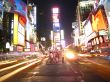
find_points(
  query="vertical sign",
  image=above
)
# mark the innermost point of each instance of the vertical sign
(15, 38)
(56, 27)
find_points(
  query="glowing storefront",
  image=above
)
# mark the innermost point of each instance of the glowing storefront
(14, 22)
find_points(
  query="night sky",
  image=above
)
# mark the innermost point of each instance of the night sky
(67, 16)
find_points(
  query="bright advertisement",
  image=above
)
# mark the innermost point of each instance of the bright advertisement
(15, 34)
(56, 25)
(57, 37)
(20, 6)
(28, 30)
(88, 29)
(14, 6)
(19, 32)
(55, 17)
(98, 21)
(62, 34)
(1, 4)
(21, 35)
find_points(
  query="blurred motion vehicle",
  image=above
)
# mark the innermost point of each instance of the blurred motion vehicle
(70, 55)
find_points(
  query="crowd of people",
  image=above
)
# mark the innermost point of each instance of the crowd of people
(55, 56)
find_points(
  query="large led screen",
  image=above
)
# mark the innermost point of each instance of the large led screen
(98, 21)
(14, 6)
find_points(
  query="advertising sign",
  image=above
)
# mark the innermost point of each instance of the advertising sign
(21, 35)
(15, 34)
(88, 28)
(55, 10)
(55, 18)
(21, 39)
(13, 6)
(1, 5)
(98, 21)
(28, 30)
(20, 6)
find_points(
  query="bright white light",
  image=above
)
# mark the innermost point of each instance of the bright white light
(81, 54)
(70, 55)
(85, 3)
(35, 15)
(88, 28)
(57, 24)
(7, 45)
(55, 10)
(63, 43)
(62, 34)
(43, 39)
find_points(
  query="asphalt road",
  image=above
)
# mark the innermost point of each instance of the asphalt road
(66, 72)
(89, 74)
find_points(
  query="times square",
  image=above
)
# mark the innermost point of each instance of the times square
(34, 46)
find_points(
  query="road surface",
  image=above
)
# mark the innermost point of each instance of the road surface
(66, 72)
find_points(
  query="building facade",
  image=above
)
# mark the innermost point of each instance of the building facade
(17, 26)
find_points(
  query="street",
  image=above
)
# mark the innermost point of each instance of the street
(66, 72)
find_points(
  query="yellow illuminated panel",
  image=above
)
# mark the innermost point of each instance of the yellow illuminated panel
(94, 23)
(101, 23)
(98, 22)
(15, 35)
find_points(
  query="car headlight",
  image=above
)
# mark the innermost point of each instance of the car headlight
(70, 55)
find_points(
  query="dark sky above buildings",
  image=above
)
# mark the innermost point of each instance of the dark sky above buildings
(67, 16)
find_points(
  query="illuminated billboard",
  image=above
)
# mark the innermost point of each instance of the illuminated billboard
(88, 28)
(62, 34)
(57, 24)
(55, 10)
(14, 6)
(98, 21)
(21, 35)
(57, 36)
(19, 31)
(15, 34)
(28, 30)
(55, 18)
